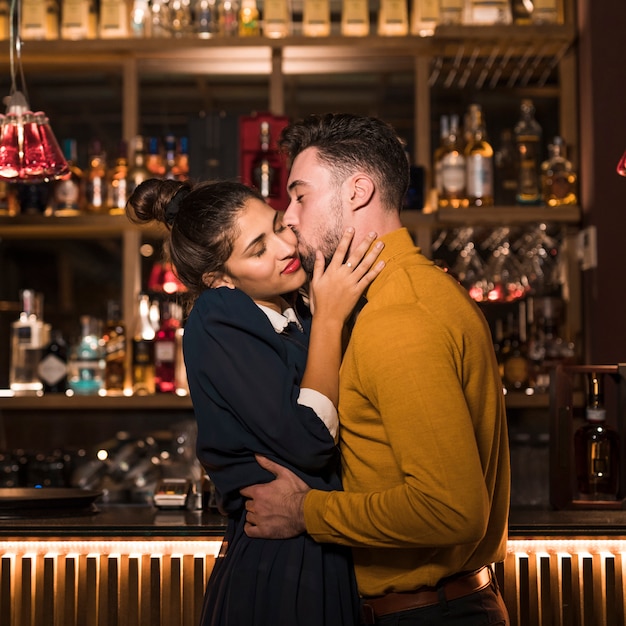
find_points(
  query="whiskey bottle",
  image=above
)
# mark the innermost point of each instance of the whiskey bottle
(249, 24)
(505, 165)
(40, 20)
(479, 160)
(355, 18)
(137, 172)
(75, 19)
(115, 340)
(143, 350)
(165, 348)
(393, 18)
(117, 183)
(596, 448)
(29, 335)
(453, 169)
(451, 11)
(113, 19)
(316, 18)
(96, 179)
(424, 17)
(68, 193)
(528, 141)
(263, 172)
(516, 367)
(558, 179)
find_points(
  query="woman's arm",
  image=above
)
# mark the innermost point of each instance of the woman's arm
(335, 292)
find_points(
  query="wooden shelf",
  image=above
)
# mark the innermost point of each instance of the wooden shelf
(160, 402)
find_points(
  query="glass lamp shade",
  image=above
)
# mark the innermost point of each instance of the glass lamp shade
(29, 150)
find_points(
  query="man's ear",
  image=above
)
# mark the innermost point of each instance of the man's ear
(217, 279)
(361, 188)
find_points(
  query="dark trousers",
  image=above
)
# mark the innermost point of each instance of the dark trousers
(481, 608)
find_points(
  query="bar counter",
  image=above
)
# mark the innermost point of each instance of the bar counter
(135, 565)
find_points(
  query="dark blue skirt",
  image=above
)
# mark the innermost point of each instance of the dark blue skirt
(280, 582)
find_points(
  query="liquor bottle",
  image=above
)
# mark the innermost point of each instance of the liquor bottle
(68, 192)
(92, 20)
(52, 368)
(113, 19)
(228, 12)
(117, 183)
(547, 12)
(521, 12)
(479, 160)
(40, 20)
(444, 133)
(182, 159)
(115, 341)
(249, 24)
(596, 448)
(276, 18)
(505, 165)
(165, 348)
(5, 11)
(96, 179)
(180, 17)
(486, 12)
(207, 23)
(355, 18)
(558, 179)
(75, 19)
(8, 200)
(140, 19)
(316, 18)
(87, 359)
(159, 18)
(451, 11)
(29, 335)
(33, 198)
(143, 350)
(528, 141)
(170, 158)
(393, 18)
(424, 17)
(154, 159)
(137, 172)
(516, 367)
(263, 173)
(453, 169)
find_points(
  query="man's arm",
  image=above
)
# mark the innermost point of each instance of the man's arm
(275, 510)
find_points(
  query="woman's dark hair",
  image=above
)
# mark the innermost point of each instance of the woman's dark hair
(200, 219)
(350, 142)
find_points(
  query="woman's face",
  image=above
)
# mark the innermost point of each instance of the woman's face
(264, 262)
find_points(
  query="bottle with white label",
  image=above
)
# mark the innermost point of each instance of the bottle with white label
(78, 19)
(479, 160)
(29, 335)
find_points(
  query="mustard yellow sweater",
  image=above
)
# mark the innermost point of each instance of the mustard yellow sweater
(423, 433)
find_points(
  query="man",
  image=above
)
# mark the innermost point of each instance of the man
(423, 425)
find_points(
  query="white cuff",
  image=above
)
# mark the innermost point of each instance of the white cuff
(323, 407)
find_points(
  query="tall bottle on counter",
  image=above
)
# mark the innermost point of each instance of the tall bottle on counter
(29, 336)
(52, 368)
(87, 358)
(115, 341)
(165, 348)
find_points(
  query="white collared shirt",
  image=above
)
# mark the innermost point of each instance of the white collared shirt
(315, 400)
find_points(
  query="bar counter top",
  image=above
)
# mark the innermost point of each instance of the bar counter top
(139, 520)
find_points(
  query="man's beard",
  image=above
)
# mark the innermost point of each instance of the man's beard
(328, 239)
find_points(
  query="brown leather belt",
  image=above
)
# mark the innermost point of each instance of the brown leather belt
(455, 588)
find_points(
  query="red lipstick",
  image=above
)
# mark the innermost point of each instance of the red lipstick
(293, 266)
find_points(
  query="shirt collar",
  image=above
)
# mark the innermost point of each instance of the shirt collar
(280, 320)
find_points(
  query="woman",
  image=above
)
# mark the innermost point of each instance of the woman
(261, 384)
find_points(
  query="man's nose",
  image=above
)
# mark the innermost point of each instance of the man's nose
(290, 216)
